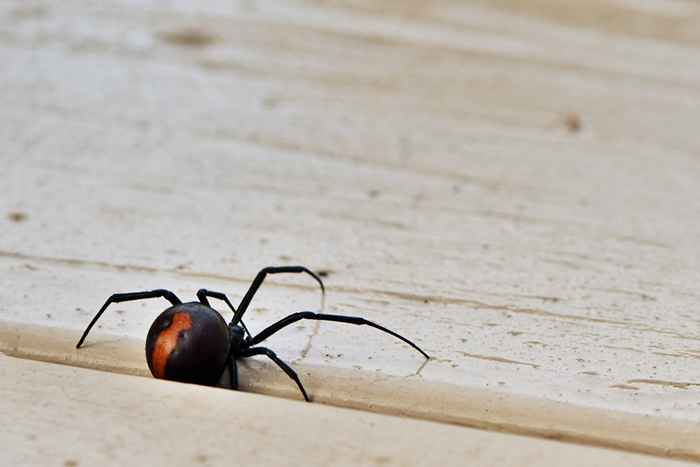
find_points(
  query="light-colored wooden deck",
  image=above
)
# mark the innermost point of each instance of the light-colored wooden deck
(81, 420)
(513, 186)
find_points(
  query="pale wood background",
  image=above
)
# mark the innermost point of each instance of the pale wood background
(514, 186)
(81, 421)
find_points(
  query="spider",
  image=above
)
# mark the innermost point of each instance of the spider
(191, 342)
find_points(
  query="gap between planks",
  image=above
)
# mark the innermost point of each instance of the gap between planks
(405, 396)
(127, 417)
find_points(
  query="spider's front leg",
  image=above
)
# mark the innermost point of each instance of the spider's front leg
(293, 318)
(233, 369)
(286, 368)
(260, 278)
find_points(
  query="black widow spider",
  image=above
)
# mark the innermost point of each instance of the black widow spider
(191, 342)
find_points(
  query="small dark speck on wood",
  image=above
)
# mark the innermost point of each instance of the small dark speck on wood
(17, 216)
(573, 122)
(190, 37)
(324, 272)
(30, 12)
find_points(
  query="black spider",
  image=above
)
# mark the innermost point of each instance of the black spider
(191, 342)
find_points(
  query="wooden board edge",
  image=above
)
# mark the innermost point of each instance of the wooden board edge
(376, 392)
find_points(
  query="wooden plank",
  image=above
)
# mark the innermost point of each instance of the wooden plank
(71, 417)
(376, 392)
(515, 187)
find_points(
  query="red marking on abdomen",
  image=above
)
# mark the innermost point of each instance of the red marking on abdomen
(166, 342)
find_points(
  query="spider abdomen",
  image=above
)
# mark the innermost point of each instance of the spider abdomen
(188, 342)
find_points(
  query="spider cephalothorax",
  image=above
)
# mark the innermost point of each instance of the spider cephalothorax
(191, 342)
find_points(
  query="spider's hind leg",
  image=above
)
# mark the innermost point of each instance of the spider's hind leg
(202, 295)
(129, 297)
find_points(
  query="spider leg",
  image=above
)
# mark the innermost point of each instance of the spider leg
(293, 318)
(129, 297)
(233, 369)
(202, 295)
(260, 277)
(286, 368)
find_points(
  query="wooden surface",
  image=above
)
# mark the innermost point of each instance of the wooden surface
(513, 186)
(80, 421)
(396, 395)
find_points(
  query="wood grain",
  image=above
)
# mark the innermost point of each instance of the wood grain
(395, 395)
(513, 186)
(123, 419)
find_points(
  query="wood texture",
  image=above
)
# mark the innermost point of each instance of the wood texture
(81, 421)
(403, 396)
(514, 186)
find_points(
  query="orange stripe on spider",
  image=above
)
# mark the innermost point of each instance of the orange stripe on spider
(166, 342)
